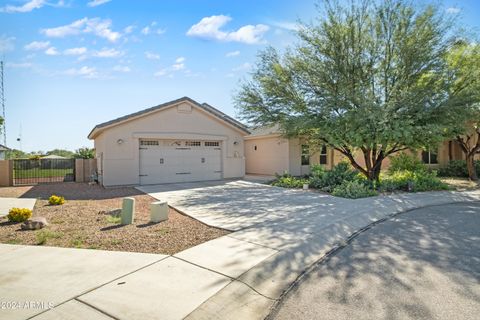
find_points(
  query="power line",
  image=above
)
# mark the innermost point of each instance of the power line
(2, 101)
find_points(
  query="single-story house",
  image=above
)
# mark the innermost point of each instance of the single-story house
(178, 141)
(3, 151)
(268, 152)
(186, 141)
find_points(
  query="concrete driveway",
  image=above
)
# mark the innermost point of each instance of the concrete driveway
(424, 264)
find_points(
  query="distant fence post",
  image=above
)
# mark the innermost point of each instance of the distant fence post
(84, 168)
(6, 173)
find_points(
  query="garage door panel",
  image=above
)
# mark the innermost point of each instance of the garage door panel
(180, 163)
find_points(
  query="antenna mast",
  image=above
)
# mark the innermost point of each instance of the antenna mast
(2, 101)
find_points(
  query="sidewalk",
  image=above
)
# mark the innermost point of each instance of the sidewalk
(238, 276)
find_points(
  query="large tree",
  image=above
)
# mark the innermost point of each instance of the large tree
(368, 77)
(464, 74)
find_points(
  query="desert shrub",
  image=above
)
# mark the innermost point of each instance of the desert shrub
(289, 181)
(330, 179)
(457, 168)
(56, 200)
(19, 214)
(415, 181)
(353, 189)
(405, 162)
(43, 236)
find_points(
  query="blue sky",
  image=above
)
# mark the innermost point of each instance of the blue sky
(73, 64)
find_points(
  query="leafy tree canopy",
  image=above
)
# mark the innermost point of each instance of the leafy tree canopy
(84, 153)
(366, 76)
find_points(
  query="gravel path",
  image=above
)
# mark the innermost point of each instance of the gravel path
(87, 220)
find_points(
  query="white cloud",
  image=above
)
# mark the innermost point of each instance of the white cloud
(108, 53)
(209, 28)
(96, 26)
(86, 72)
(37, 45)
(27, 7)
(95, 3)
(150, 29)
(151, 55)
(232, 54)
(287, 25)
(129, 29)
(75, 51)
(161, 73)
(453, 10)
(6, 43)
(52, 51)
(243, 67)
(121, 69)
(178, 66)
(18, 65)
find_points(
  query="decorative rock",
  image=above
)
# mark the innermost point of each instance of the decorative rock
(34, 223)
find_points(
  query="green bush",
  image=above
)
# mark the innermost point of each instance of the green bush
(353, 189)
(333, 178)
(288, 181)
(406, 180)
(19, 214)
(56, 200)
(317, 170)
(405, 162)
(457, 168)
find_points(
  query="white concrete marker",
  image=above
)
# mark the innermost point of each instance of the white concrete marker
(158, 211)
(128, 210)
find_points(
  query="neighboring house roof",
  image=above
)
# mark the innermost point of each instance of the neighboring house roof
(53, 156)
(3, 148)
(217, 113)
(259, 132)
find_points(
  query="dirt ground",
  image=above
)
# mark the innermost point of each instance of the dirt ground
(461, 184)
(90, 219)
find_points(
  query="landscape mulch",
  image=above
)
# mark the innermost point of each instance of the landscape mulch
(89, 219)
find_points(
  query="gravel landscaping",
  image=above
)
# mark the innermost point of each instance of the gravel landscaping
(89, 219)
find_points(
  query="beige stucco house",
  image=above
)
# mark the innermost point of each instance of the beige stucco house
(178, 141)
(267, 152)
(185, 141)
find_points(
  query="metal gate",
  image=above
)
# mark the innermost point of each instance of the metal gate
(34, 171)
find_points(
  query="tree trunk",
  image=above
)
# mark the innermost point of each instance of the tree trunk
(472, 172)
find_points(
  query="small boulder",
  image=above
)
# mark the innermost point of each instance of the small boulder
(34, 223)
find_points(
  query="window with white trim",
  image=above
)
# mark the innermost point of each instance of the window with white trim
(430, 156)
(212, 144)
(149, 142)
(323, 155)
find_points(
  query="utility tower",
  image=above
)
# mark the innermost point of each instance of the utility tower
(2, 101)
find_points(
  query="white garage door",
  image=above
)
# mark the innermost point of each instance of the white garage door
(168, 161)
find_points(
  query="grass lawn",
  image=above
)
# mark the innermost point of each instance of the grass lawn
(90, 219)
(41, 173)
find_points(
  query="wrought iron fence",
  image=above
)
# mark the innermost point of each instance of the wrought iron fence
(34, 171)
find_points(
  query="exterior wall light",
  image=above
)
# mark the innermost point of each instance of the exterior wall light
(120, 141)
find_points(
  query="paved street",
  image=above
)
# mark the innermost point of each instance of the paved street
(424, 264)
